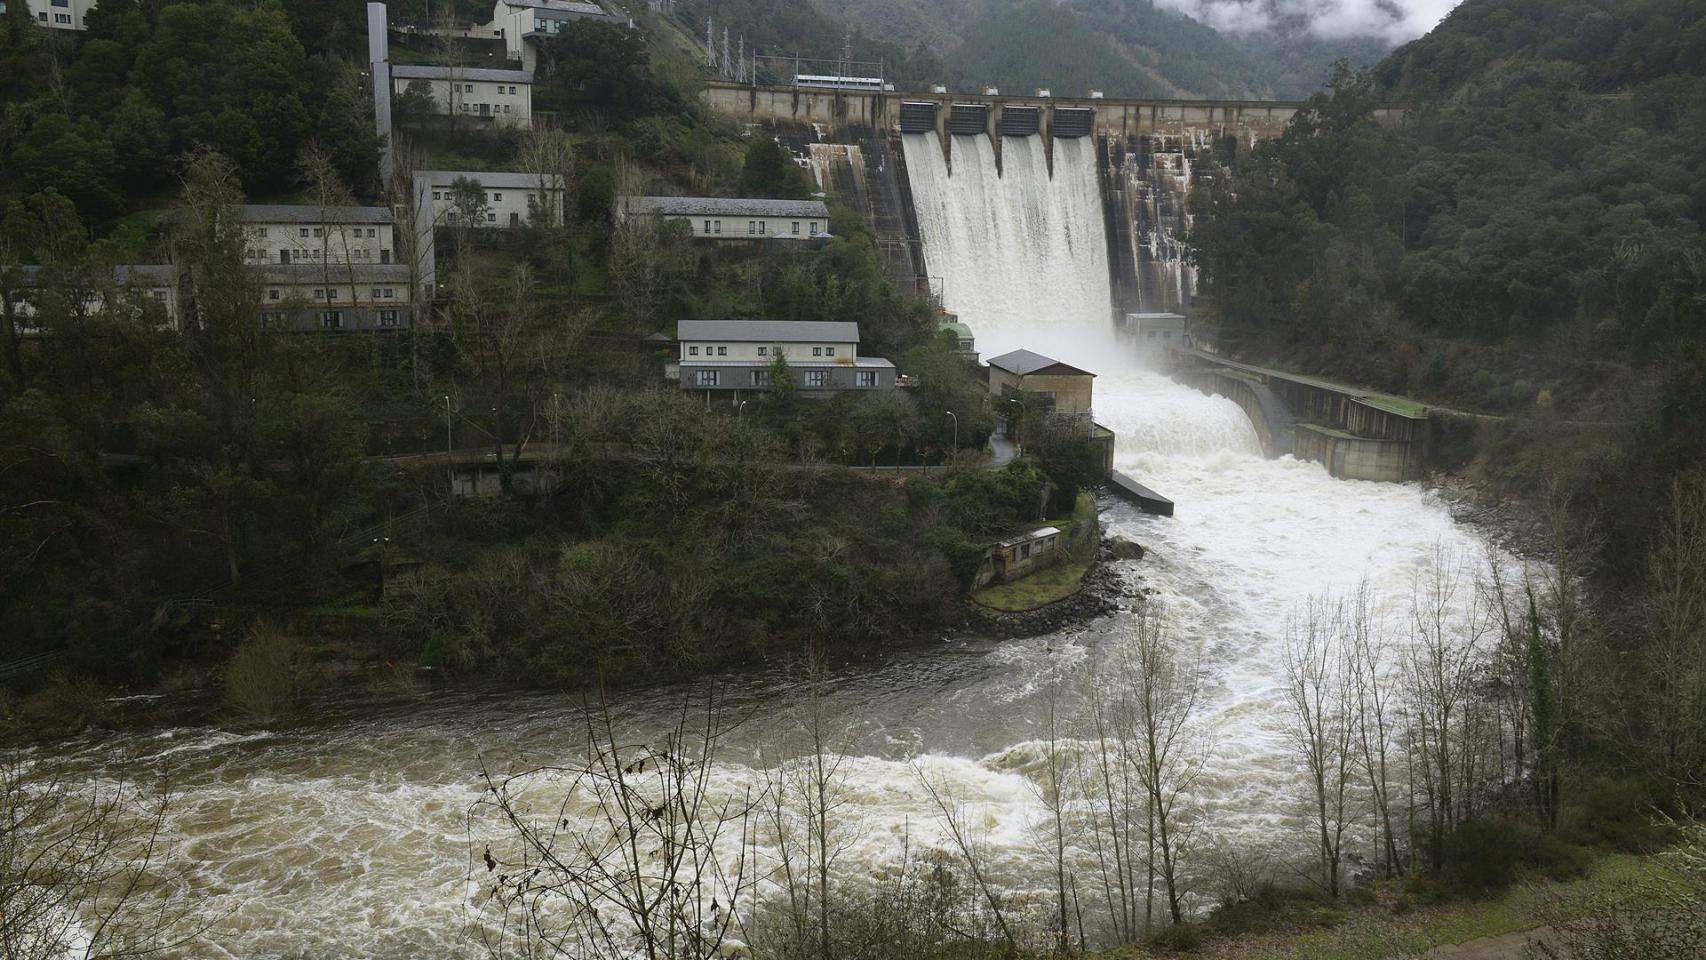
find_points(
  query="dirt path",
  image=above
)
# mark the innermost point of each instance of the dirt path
(1511, 946)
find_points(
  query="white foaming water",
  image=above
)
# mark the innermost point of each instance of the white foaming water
(350, 837)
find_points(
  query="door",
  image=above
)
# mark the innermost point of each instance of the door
(284, 256)
(384, 256)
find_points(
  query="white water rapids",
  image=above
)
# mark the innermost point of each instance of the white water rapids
(347, 836)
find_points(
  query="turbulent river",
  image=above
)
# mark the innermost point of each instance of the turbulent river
(348, 836)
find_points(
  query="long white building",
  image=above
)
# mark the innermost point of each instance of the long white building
(142, 287)
(301, 233)
(498, 97)
(717, 218)
(335, 298)
(58, 14)
(505, 199)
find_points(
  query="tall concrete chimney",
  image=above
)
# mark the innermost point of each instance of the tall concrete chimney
(379, 60)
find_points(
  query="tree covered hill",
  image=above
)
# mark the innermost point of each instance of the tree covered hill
(1124, 47)
(1528, 243)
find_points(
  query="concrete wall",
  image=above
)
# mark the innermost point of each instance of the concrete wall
(1350, 457)
(842, 108)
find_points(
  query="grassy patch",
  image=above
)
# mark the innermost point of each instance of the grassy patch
(1378, 932)
(1037, 590)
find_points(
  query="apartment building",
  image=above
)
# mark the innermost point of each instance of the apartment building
(742, 220)
(727, 357)
(522, 23)
(58, 14)
(140, 287)
(505, 199)
(496, 97)
(336, 298)
(305, 234)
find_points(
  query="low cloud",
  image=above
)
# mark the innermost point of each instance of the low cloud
(1394, 20)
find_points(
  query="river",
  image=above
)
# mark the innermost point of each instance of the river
(348, 835)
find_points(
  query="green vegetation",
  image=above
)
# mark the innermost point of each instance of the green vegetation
(1036, 591)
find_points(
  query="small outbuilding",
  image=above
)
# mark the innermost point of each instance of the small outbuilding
(1018, 556)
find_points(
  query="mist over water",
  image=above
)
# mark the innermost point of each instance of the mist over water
(349, 836)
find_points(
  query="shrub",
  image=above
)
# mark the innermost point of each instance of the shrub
(66, 705)
(268, 674)
(1179, 938)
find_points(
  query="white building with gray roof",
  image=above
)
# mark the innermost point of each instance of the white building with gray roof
(307, 233)
(732, 358)
(505, 199)
(720, 218)
(501, 98)
(522, 23)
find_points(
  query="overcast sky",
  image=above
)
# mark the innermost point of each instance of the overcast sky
(1396, 20)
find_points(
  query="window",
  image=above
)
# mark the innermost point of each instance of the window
(319, 231)
(506, 108)
(722, 351)
(751, 227)
(62, 3)
(829, 351)
(304, 231)
(390, 292)
(373, 233)
(761, 378)
(796, 228)
(719, 226)
(512, 88)
(332, 319)
(272, 294)
(388, 318)
(707, 226)
(693, 351)
(272, 318)
(497, 198)
(706, 378)
(865, 378)
(319, 293)
(261, 233)
(814, 228)
(160, 295)
(375, 295)
(491, 216)
(1024, 551)
(63, 18)
(438, 194)
(761, 226)
(817, 378)
(817, 351)
(763, 351)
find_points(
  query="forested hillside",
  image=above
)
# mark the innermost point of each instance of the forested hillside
(1528, 244)
(1123, 47)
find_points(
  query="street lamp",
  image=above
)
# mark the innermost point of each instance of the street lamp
(381, 542)
(956, 420)
(740, 411)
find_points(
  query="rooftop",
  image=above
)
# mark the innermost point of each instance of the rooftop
(422, 72)
(329, 273)
(157, 274)
(1037, 534)
(489, 178)
(768, 331)
(1024, 363)
(560, 6)
(827, 363)
(310, 213)
(726, 207)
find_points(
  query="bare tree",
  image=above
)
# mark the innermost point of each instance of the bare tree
(625, 853)
(1371, 692)
(1318, 689)
(1448, 629)
(1676, 617)
(957, 821)
(83, 871)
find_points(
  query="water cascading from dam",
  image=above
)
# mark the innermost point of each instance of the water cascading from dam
(1020, 249)
(1156, 175)
(349, 835)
